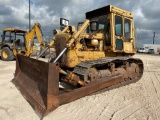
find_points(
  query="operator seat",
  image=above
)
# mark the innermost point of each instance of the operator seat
(17, 44)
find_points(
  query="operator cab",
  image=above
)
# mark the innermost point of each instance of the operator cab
(15, 37)
(117, 28)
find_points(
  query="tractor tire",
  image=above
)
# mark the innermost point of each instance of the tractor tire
(7, 54)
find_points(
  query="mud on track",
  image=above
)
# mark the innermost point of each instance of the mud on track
(137, 101)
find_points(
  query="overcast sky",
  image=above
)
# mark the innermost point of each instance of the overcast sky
(14, 13)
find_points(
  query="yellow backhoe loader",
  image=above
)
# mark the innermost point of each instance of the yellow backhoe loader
(88, 61)
(16, 41)
(12, 43)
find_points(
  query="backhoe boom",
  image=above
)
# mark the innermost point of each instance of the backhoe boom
(30, 36)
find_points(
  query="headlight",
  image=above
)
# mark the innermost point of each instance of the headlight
(94, 42)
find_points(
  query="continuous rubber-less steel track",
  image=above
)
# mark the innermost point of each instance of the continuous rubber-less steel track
(82, 69)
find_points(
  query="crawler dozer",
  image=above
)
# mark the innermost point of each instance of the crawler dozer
(97, 56)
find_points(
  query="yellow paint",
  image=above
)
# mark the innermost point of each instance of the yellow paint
(95, 46)
(5, 54)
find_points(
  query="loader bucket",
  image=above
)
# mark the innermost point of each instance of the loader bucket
(38, 82)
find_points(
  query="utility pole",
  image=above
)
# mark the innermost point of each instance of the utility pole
(29, 16)
(136, 39)
(153, 37)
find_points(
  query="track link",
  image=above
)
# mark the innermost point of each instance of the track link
(82, 69)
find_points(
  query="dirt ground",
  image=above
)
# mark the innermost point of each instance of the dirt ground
(137, 101)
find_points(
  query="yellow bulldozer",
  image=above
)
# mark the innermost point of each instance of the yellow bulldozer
(95, 57)
(16, 41)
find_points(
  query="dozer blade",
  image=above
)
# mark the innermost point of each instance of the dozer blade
(38, 82)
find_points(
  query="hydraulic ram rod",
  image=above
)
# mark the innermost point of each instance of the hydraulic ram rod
(42, 52)
(64, 50)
